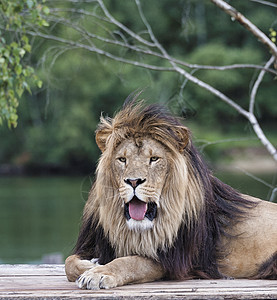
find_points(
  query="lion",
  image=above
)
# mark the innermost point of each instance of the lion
(155, 211)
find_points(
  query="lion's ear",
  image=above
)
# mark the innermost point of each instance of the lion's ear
(102, 133)
(183, 137)
(101, 137)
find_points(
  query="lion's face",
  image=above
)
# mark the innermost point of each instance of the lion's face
(140, 169)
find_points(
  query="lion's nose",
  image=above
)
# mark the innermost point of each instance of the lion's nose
(134, 182)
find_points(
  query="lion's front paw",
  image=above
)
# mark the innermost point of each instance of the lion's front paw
(97, 278)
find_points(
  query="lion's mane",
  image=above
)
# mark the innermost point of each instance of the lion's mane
(194, 213)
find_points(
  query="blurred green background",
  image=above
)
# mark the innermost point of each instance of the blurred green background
(47, 162)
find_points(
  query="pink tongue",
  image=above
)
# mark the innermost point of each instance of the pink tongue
(137, 209)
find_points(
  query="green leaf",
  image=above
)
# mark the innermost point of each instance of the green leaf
(39, 84)
(18, 69)
(22, 52)
(30, 3)
(44, 23)
(27, 47)
(19, 91)
(46, 10)
(25, 39)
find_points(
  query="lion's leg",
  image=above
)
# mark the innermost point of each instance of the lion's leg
(75, 266)
(121, 271)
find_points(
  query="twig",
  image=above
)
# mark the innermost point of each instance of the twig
(247, 24)
(227, 67)
(272, 197)
(265, 3)
(124, 28)
(207, 143)
(257, 84)
(81, 12)
(185, 73)
(144, 50)
(274, 189)
(260, 134)
(98, 51)
(256, 178)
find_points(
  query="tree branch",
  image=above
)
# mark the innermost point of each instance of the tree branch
(187, 75)
(257, 84)
(272, 47)
(260, 134)
(265, 3)
(147, 51)
(98, 51)
(208, 143)
(121, 26)
(81, 12)
(274, 190)
(247, 24)
(248, 115)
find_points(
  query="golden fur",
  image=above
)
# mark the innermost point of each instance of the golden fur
(193, 208)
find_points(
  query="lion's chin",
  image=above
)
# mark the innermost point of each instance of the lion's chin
(142, 225)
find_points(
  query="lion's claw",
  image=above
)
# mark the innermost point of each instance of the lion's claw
(95, 279)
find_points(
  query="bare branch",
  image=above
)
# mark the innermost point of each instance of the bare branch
(98, 51)
(208, 143)
(187, 75)
(226, 67)
(250, 116)
(124, 28)
(272, 47)
(265, 3)
(136, 49)
(257, 84)
(274, 189)
(257, 178)
(273, 194)
(88, 35)
(214, 91)
(81, 12)
(247, 24)
(260, 134)
(147, 51)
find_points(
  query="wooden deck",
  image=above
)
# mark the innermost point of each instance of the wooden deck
(49, 282)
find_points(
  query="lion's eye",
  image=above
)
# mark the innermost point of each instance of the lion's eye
(154, 158)
(122, 159)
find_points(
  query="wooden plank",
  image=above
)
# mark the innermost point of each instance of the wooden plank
(49, 282)
(13, 270)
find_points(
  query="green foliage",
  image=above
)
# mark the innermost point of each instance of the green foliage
(16, 75)
(57, 122)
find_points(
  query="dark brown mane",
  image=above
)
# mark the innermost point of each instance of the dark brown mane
(196, 249)
(92, 242)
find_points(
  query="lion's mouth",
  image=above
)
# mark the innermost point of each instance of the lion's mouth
(138, 210)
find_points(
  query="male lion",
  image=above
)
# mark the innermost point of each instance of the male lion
(155, 211)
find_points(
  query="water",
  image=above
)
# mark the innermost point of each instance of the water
(41, 215)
